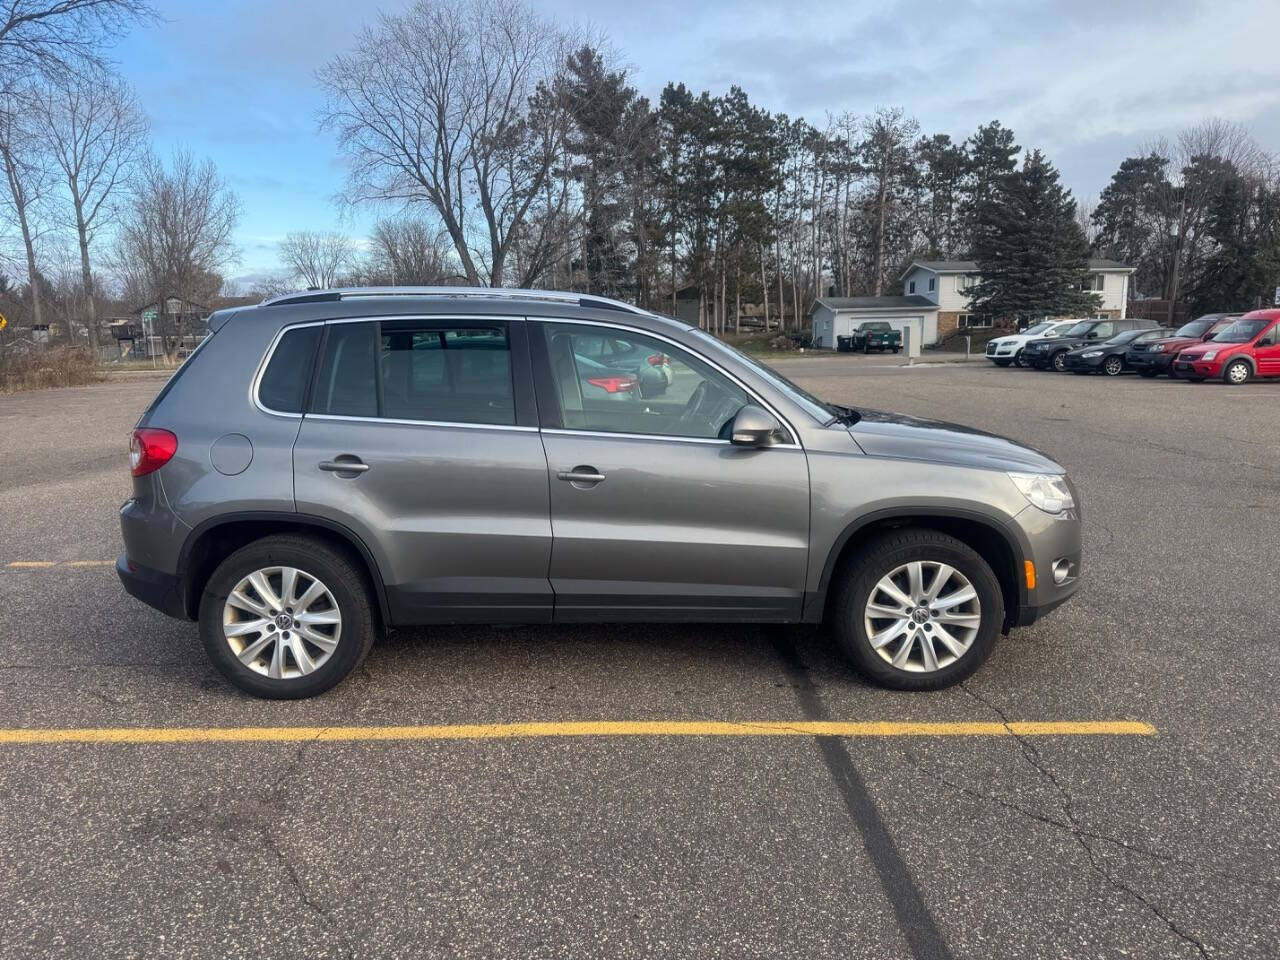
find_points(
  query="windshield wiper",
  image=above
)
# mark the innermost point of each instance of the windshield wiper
(845, 415)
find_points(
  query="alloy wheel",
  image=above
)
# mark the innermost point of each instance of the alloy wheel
(1060, 360)
(922, 616)
(281, 622)
(1113, 366)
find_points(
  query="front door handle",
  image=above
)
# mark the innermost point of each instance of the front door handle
(581, 475)
(341, 465)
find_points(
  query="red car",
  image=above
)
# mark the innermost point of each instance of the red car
(1248, 348)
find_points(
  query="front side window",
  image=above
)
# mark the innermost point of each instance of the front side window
(636, 384)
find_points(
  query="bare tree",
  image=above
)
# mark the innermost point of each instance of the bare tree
(96, 134)
(454, 105)
(40, 35)
(175, 234)
(317, 258)
(27, 178)
(408, 251)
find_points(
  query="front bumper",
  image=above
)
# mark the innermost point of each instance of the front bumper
(1159, 362)
(1197, 368)
(1047, 539)
(152, 587)
(1080, 363)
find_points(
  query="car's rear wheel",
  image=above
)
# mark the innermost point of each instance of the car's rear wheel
(1059, 361)
(286, 617)
(1113, 366)
(917, 610)
(1237, 372)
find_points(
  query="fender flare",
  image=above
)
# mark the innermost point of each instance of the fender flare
(1018, 548)
(350, 537)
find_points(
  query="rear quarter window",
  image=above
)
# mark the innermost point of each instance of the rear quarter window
(283, 385)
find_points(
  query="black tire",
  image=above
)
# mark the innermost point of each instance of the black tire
(1017, 359)
(1148, 374)
(1058, 361)
(1244, 376)
(316, 558)
(896, 349)
(879, 557)
(1113, 366)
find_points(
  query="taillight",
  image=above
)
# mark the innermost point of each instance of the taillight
(659, 360)
(150, 449)
(623, 384)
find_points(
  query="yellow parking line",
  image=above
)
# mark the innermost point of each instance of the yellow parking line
(91, 563)
(590, 728)
(31, 564)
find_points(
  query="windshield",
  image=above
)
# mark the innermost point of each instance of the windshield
(1242, 331)
(1038, 328)
(1196, 328)
(799, 396)
(1081, 328)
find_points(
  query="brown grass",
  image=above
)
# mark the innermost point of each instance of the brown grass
(36, 368)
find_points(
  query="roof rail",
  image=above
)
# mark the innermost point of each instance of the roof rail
(479, 293)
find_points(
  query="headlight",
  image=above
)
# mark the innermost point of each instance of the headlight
(1210, 355)
(1047, 491)
(1156, 348)
(1091, 354)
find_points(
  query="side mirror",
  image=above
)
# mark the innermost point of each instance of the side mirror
(754, 427)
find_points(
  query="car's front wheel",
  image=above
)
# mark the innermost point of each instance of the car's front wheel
(1237, 372)
(917, 610)
(1017, 359)
(1113, 366)
(286, 617)
(1059, 361)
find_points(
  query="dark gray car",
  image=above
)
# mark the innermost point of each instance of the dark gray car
(329, 465)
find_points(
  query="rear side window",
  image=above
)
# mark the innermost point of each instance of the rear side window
(346, 384)
(448, 374)
(284, 383)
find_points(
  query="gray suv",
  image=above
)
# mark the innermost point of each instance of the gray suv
(328, 465)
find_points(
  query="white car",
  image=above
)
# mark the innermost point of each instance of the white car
(1003, 351)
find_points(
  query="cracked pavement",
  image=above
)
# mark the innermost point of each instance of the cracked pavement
(1142, 847)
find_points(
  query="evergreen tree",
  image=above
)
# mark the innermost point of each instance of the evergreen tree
(942, 166)
(993, 156)
(1033, 258)
(1240, 274)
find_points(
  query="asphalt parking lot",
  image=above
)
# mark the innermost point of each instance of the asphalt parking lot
(659, 843)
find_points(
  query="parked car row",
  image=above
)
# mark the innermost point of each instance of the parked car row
(1228, 347)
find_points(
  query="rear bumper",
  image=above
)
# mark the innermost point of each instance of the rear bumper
(155, 589)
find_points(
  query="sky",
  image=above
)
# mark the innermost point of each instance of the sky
(1087, 81)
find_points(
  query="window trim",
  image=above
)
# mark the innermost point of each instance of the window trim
(521, 370)
(538, 356)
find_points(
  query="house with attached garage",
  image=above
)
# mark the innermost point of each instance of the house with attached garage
(935, 301)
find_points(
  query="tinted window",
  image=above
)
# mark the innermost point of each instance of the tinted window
(455, 375)
(346, 384)
(654, 388)
(284, 382)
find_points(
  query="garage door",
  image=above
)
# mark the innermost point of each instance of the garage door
(914, 324)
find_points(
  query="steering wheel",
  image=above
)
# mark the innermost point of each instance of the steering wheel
(694, 402)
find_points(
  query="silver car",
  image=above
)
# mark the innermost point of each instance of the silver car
(329, 465)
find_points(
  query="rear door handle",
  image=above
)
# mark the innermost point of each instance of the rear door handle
(343, 466)
(581, 475)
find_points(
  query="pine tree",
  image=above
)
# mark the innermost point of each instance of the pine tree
(992, 157)
(1240, 272)
(1032, 256)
